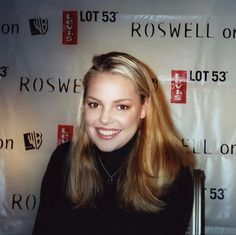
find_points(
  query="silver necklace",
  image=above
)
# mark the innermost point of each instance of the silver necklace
(110, 176)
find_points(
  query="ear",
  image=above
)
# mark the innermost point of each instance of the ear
(145, 107)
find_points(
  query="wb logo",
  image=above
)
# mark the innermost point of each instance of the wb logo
(38, 26)
(33, 140)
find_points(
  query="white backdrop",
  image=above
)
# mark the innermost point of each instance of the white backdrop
(46, 47)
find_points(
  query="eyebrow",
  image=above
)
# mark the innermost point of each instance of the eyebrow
(115, 101)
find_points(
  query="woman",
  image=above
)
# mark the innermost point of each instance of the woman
(126, 172)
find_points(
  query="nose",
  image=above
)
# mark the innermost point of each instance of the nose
(106, 116)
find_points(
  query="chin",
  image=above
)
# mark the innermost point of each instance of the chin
(107, 148)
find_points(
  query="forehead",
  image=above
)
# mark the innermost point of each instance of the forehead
(111, 85)
(112, 80)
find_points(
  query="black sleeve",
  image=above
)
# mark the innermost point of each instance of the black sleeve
(180, 203)
(174, 218)
(52, 194)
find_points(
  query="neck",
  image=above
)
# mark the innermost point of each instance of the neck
(115, 159)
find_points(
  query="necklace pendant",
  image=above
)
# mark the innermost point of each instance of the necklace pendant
(110, 180)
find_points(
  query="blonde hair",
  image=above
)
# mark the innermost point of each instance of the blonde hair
(156, 157)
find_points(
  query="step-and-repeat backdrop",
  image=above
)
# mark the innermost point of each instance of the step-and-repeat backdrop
(45, 48)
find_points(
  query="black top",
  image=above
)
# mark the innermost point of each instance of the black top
(58, 216)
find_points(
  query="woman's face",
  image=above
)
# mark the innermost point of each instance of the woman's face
(113, 110)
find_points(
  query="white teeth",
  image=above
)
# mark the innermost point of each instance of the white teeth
(108, 132)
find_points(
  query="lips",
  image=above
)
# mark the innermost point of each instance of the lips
(107, 134)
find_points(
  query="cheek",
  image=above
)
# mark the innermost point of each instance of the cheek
(130, 120)
(88, 118)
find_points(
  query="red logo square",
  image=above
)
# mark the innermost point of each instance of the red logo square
(70, 27)
(65, 133)
(178, 86)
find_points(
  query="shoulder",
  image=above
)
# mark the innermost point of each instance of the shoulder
(58, 164)
(60, 154)
(62, 149)
(182, 186)
(180, 193)
(184, 178)
(184, 174)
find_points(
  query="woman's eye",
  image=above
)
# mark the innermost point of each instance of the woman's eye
(93, 105)
(122, 107)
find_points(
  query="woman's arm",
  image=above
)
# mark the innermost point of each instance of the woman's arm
(180, 202)
(52, 193)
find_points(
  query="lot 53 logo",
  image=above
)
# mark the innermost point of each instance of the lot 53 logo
(205, 75)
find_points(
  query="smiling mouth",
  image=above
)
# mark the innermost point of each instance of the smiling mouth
(107, 134)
